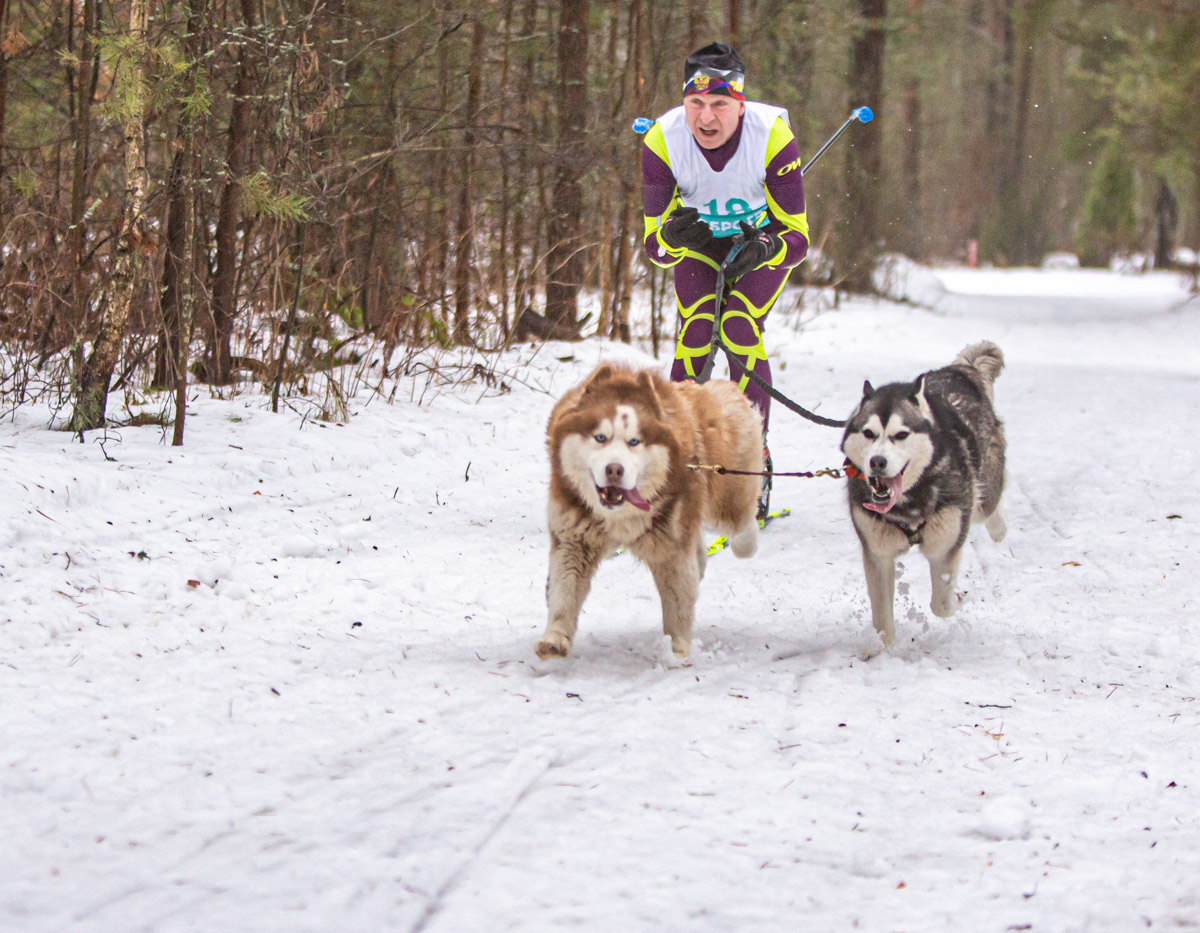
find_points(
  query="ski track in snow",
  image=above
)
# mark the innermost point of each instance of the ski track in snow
(282, 678)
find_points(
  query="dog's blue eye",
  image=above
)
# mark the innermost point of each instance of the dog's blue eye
(634, 441)
(601, 438)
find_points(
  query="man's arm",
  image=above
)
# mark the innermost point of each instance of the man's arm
(660, 196)
(785, 197)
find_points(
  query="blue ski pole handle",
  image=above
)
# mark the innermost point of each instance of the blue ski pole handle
(642, 125)
(861, 114)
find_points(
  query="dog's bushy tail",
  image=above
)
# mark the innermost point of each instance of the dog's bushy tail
(986, 359)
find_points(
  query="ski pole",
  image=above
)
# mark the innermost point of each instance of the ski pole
(710, 358)
(862, 114)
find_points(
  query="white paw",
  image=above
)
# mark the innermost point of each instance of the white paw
(552, 645)
(670, 655)
(997, 527)
(945, 606)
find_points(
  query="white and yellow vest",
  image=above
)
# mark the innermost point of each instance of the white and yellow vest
(739, 191)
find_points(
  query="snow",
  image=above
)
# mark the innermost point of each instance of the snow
(282, 678)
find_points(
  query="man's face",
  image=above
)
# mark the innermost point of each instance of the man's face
(712, 118)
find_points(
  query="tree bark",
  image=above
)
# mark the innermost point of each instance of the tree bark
(224, 291)
(564, 228)
(174, 268)
(465, 226)
(92, 399)
(913, 239)
(3, 91)
(1166, 221)
(522, 275)
(81, 144)
(500, 286)
(863, 161)
(187, 281)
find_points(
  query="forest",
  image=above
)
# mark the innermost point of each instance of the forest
(218, 192)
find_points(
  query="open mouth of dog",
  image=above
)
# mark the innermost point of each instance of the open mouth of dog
(613, 496)
(885, 492)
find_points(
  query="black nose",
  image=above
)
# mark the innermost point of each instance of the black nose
(879, 464)
(613, 473)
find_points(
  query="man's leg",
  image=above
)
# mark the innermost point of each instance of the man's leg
(695, 288)
(746, 309)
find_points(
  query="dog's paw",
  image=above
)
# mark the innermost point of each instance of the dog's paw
(996, 526)
(669, 652)
(552, 645)
(945, 606)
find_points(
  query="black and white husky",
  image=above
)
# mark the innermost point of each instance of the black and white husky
(925, 459)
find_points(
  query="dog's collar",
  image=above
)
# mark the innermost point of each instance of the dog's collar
(851, 471)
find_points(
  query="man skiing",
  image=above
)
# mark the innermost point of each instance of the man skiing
(716, 166)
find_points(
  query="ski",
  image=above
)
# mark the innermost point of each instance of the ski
(719, 544)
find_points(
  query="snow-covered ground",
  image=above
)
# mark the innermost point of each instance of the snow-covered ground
(281, 679)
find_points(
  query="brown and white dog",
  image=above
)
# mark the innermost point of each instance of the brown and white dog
(620, 444)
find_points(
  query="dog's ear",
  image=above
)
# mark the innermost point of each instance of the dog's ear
(645, 381)
(917, 392)
(868, 389)
(600, 374)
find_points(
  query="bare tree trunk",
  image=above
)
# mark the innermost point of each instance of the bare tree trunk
(465, 231)
(1015, 240)
(174, 268)
(609, 201)
(629, 190)
(624, 289)
(564, 228)
(1166, 222)
(81, 139)
(224, 291)
(3, 91)
(187, 280)
(863, 161)
(604, 260)
(437, 235)
(911, 169)
(92, 400)
(501, 271)
(186, 302)
(697, 23)
(522, 276)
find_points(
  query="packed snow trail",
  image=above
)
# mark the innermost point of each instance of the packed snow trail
(282, 678)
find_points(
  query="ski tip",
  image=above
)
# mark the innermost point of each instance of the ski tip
(863, 114)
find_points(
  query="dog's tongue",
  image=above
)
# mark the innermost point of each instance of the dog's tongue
(893, 487)
(634, 498)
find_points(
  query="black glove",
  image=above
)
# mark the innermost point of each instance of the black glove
(685, 230)
(760, 246)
